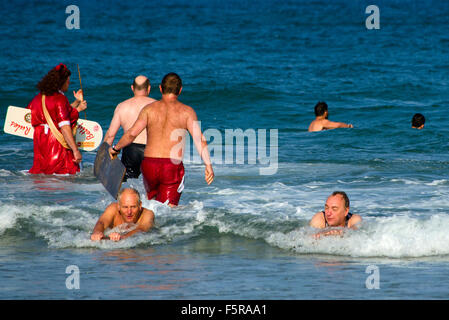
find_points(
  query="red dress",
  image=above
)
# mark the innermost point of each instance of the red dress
(49, 155)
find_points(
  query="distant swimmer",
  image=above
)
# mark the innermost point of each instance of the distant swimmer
(336, 214)
(418, 121)
(167, 122)
(125, 214)
(54, 120)
(125, 115)
(321, 123)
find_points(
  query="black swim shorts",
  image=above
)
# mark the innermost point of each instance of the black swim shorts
(132, 158)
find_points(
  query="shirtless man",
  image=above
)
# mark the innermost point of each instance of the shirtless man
(321, 122)
(166, 122)
(336, 214)
(125, 115)
(127, 213)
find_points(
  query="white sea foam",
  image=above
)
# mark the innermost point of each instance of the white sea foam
(406, 181)
(398, 222)
(395, 237)
(8, 217)
(5, 173)
(437, 182)
(282, 225)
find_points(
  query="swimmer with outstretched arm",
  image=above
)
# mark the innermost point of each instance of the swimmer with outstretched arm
(321, 121)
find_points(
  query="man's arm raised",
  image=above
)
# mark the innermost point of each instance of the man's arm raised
(201, 145)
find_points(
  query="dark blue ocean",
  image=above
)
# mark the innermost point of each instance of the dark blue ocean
(258, 67)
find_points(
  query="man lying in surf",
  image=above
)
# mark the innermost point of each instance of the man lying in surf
(336, 214)
(126, 214)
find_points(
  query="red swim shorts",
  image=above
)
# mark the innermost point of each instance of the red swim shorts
(163, 179)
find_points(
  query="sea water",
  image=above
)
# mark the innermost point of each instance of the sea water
(258, 66)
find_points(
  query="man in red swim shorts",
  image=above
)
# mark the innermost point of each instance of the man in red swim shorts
(163, 179)
(167, 122)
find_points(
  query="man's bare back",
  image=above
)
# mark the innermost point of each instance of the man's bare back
(316, 125)
(167, 122)
(128, 112)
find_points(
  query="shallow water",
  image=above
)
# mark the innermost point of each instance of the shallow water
(253, 66)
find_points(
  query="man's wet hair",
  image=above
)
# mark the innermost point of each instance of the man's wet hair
(119, 195)
(344, 195)
(418, 120)
(320, 108)
(143, 86)
(171, 83)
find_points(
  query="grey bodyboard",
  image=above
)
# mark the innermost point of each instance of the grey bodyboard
(109, 172)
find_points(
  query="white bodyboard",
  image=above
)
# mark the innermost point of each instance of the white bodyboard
(89, 134)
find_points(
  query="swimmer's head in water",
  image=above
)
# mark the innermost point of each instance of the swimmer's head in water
(336, 208)
(418, 121)
(320, 108)
(129, 204)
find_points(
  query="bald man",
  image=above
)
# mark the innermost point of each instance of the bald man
(125, 115)
(126, 217)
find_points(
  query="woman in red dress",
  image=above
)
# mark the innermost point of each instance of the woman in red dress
(50, 156)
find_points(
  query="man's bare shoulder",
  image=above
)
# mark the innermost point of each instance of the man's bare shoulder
(355, 219)
(123, 108)
(188, 109)
(317, 220)
(185, 110)
(316, 125)
(152, 106)
(150, 102)
(180, 107)
(145, 101)
(148, 212)
(112, 209)
(109, 214)
(124, 104)
(329, 124)
(146, 220)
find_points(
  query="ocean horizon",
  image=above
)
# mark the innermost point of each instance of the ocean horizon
(253, 71)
